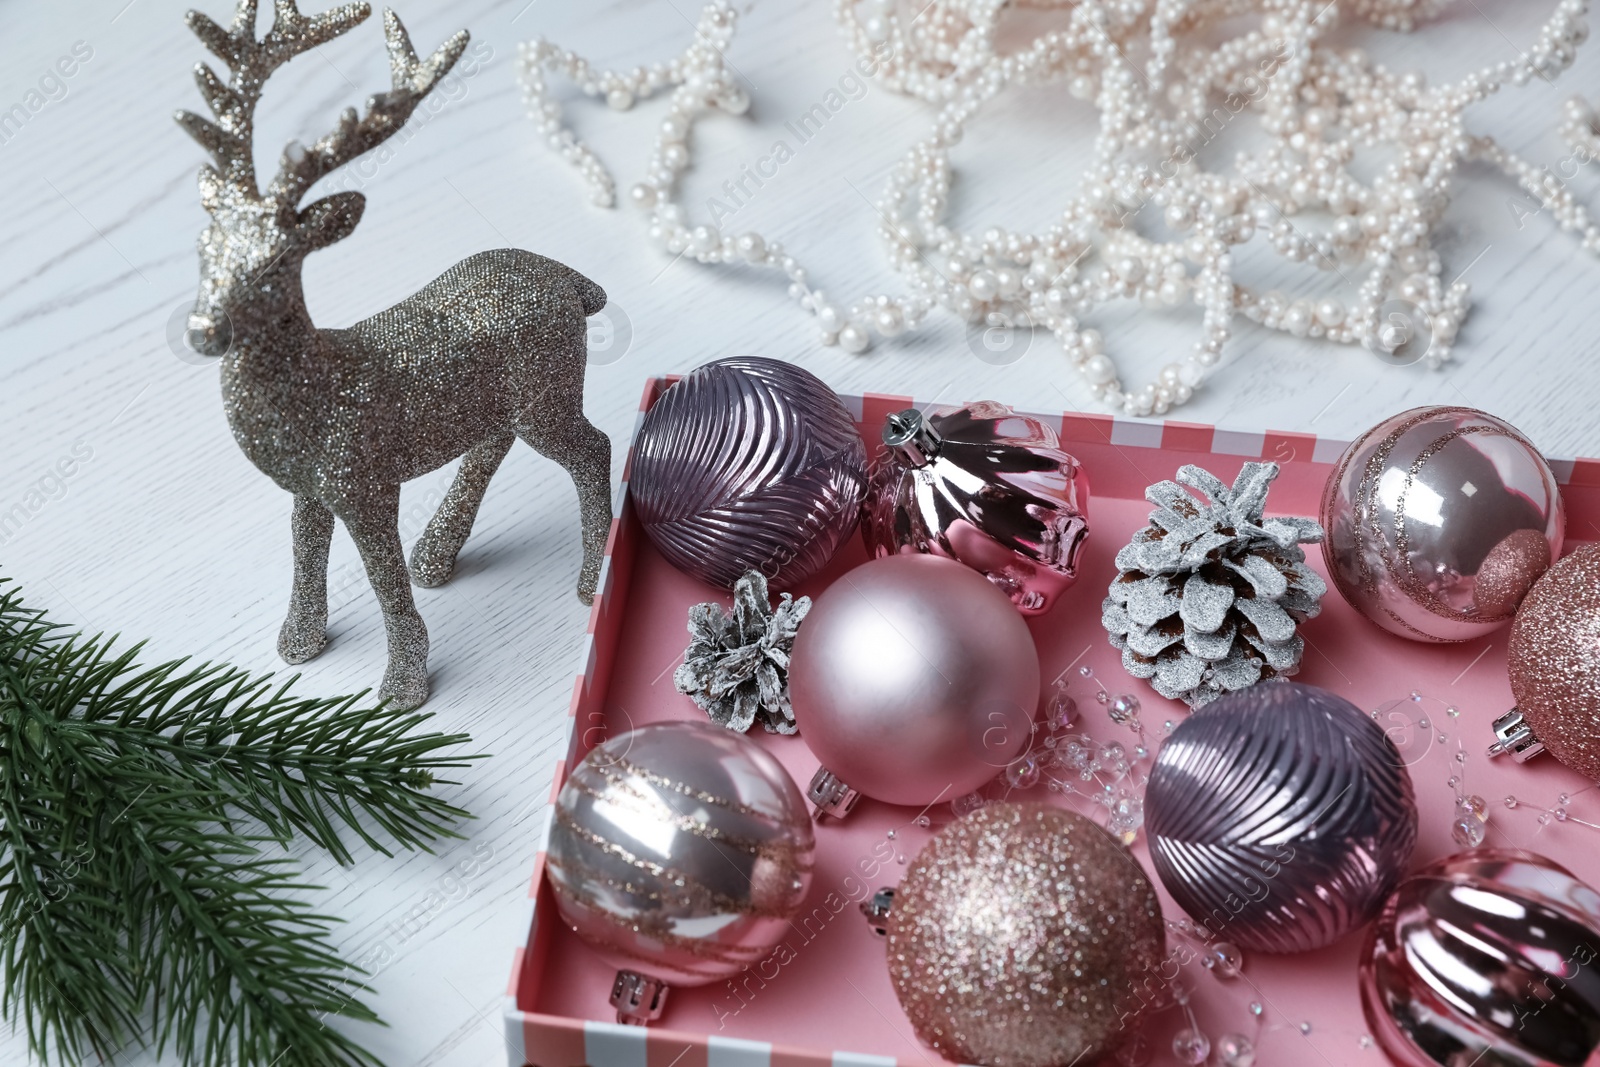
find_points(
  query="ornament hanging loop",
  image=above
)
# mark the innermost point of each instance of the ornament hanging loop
(911, 437)
(876, 909)
(1513, 735)
(830, 795)
(639, 999)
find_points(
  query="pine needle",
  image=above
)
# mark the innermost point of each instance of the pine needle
(144, 895)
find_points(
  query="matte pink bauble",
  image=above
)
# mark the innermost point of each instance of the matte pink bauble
(913, 680)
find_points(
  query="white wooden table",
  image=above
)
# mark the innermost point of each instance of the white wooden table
(163, 530)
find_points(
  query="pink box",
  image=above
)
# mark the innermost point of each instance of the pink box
(830, 992)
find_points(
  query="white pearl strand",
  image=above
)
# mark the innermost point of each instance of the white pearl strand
(1580, 128)
(1318, 105)
(702, 81)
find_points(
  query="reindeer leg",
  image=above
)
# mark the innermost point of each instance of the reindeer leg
(572, 440)
(374, 524)
(305, 632)
(433, 557)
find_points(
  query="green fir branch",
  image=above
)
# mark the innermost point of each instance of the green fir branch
(143, 894)
(244, 965)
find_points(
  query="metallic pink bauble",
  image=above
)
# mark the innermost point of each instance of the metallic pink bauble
(680, 852)
(984, 486)
(748, 464)
(1025, 935)
(1486, 957)
(1280, 817)
(913, 680)
(1439, 521)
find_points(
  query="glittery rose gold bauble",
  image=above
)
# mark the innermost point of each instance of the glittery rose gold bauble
(1020, 936)
(1439, 520)
(680, 852)
(1554, 661)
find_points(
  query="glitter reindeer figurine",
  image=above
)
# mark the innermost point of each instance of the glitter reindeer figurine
(492, 350)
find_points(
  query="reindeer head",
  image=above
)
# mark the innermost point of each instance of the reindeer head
(250, 255)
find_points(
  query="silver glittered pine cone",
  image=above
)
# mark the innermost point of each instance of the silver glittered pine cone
(737, 664)
(1208, 597)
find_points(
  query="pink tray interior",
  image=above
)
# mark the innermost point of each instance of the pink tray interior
(834, 994)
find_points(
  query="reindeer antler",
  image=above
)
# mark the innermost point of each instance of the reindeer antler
(386, 114)
(251, 61)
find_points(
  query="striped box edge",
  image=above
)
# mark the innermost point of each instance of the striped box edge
(599, 1040)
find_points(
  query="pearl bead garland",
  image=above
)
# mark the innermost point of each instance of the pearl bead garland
(1317, 104)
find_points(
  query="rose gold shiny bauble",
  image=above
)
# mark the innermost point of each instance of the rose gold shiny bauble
(679, 852)
(1486, 957)
(984, 486)
(1020, 937)
(1439, 521)
(913, 680)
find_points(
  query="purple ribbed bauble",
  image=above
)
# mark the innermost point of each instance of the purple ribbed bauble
(1280, 817)
(748, 464)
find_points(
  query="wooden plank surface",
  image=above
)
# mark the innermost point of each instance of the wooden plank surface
(163, 530)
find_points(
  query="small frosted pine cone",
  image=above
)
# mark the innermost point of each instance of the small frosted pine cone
(737, 664)
(1209, 596)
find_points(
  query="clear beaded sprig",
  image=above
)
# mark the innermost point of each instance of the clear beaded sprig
(1413, 723)
(1111, 775)
(1561, 813)
(1191, 1044)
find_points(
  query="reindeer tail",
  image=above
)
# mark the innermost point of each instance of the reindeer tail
(590, 295)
